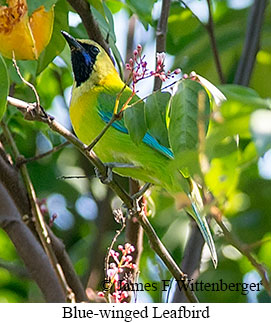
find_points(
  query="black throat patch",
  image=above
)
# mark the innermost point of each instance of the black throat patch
(83, 62)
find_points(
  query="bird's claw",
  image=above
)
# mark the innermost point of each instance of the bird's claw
(105, 179)
(137, 207)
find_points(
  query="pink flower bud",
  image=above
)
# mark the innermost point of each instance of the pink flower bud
(135, 53)
(124, 294)
(160, 58)
(162, 77)
(124, 282)
(177, 71)
(139, 48)
(129, 258)
(112, 265)
(101, 294)
(127, 245)
(120, 247)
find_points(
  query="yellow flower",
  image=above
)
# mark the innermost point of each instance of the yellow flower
(26, 36)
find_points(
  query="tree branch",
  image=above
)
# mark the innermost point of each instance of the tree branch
(39, 220)
(130, 44)
(252, 43)
(68, 269)
(105, 222)
(161, 33)
(134, 236)
(82, 7)
(29, 249)
(10, 179)
(191, 260)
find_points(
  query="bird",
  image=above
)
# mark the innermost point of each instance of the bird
(95, 88)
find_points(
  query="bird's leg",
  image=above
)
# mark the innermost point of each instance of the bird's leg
(142, 191)
(109, 173)
(105, 179)
(120, 165)
(137, 199)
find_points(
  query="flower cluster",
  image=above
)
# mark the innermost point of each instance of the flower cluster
(138, 67)
(117, 267)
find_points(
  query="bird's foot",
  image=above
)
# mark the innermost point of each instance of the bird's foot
(142, 191)
(137, 200)
(107, 178)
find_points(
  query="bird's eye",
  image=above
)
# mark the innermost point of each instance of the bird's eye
(95, 50)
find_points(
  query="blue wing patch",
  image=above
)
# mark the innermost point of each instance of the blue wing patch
(147, 139)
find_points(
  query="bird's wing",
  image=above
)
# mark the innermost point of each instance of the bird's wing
(105, 106)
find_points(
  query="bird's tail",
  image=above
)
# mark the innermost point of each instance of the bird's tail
(199, 217)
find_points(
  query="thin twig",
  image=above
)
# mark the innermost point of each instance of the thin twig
(82, 7)
(28, 84)
(100, 135)
(161, 33)
(75, 176)
(40, 156)
(158, 90)
(211, 33)
(122, 220)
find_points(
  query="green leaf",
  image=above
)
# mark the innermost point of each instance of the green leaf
(107, 28)
(223, 176)
(115, 5)
(98, 5)
(4, 87)
(106, 24)
(35, 4)
(57, 42)
(143, 9)
(183, 125)
(135, 122)
(247, 97)
(156, 108)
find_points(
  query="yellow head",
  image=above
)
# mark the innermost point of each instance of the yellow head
(90, 63)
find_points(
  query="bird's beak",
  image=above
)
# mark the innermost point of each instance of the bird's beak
(73, 43)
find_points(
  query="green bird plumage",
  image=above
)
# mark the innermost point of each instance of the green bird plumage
(96, 86)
